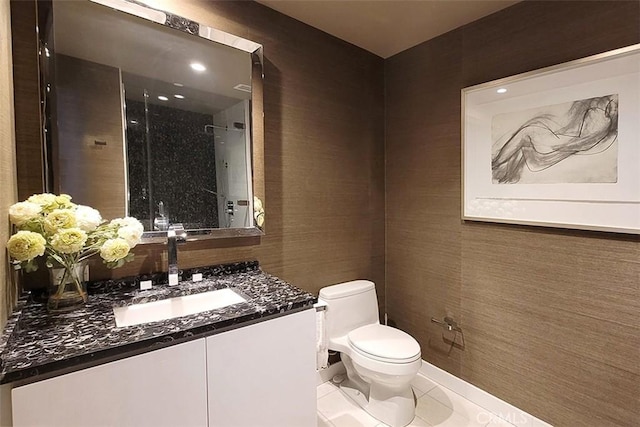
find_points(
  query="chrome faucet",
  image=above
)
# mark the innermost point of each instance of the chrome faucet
(176, 234)
(161, 222)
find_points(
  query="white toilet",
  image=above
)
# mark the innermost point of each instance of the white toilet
(381, 361)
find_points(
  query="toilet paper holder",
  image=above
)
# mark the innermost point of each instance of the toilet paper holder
(450, 325)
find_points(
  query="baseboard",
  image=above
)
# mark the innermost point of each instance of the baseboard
(496, 406)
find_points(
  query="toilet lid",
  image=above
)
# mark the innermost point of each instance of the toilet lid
(385, 343)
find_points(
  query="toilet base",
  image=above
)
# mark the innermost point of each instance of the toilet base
(393, 405)
(355, 393)
(394, 411)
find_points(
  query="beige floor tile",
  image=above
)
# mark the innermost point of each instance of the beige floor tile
(323, 421)
(422, 385)
(326, 388)
(460, 405)
(437, 414)
(343, 412)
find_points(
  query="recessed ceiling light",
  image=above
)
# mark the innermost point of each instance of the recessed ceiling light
(243, 87)
(178, 84)
(163, 98)
(502, 90)
(133, 122)
(178, 96)
(196, 66)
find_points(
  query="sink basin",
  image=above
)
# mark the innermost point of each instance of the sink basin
(175, 307)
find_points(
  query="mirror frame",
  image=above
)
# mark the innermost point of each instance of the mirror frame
(256, 145)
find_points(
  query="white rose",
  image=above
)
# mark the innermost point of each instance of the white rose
(128, 222)
(87, 218)
(131, 234)
(22, 212)
(258, 211)
(257, 204)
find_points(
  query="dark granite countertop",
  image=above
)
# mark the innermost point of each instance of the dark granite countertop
(36, 345)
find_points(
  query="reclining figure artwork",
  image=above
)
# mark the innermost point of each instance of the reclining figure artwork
(553, 135)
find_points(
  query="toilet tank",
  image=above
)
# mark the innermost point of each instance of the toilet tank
(349, 306)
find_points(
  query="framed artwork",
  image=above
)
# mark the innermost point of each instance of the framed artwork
(556, 147)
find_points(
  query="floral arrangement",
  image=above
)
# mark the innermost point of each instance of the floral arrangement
(258, 212)
(68, 233)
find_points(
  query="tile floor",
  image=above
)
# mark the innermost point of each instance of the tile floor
(437, 406)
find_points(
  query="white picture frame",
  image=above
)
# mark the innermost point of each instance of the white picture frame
(556, 147)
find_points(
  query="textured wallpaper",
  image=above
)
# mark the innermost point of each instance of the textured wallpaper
(7, 157)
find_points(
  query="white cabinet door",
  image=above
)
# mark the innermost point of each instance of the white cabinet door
(166, 387)
(264, 374)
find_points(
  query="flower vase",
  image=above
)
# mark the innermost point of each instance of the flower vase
(68, 288)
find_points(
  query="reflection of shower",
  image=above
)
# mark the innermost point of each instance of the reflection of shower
(225, 206)
(147, 135)
(237, 126)
(230, 129)
(213, 192)
(170, 151)
(222, 199)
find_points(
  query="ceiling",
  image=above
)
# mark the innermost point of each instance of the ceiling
(387, 27)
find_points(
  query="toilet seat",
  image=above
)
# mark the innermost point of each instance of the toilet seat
(384, 344)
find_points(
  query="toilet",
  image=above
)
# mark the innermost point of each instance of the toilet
(380, 361)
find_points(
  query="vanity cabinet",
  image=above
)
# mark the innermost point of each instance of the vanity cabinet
(262, 375)
(165, 387)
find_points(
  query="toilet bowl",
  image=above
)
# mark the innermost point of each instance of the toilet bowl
(380, 361)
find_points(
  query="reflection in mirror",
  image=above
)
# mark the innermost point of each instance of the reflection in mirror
(147, 120)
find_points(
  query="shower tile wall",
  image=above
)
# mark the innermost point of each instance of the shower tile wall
(181, 171)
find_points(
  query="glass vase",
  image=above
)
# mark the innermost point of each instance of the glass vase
(68, 288)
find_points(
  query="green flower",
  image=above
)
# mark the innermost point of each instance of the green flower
(68, 233)
(26, 245)
(114, 249)
(50, 202)
(68, 240)
(64, 201)
(44, 199)
(59, 219)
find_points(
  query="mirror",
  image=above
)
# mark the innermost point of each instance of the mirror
(151, 115)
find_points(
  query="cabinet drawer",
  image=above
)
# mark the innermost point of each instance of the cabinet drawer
(165, 387)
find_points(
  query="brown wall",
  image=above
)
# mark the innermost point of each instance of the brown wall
(550, 317)
(324, 148)
(27, 108)
(88, 108)
(8, 189)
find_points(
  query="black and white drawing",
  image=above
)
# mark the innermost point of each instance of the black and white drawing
(556, 147)
(573, 142)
